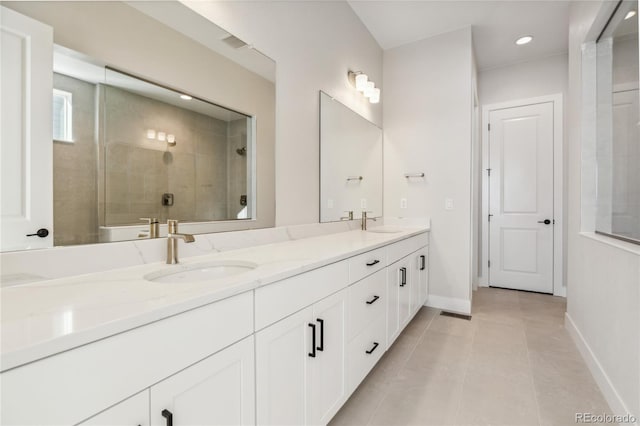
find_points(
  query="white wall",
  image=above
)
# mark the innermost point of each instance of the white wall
(603, 282)
(427, 126)
(314, 44)
(545, 76)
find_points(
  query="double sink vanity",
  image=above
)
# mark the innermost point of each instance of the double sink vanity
(280, 333)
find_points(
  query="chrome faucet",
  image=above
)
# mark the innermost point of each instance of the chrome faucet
(349, 215)
(172, 241)
(363, 224)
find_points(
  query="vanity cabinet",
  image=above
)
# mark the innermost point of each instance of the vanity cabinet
(218, 390)
(300, 363)
(132, 411)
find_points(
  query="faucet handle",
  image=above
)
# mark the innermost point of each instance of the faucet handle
(150, 219)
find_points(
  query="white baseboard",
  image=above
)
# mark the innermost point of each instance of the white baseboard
(612, 396)
(450, 304)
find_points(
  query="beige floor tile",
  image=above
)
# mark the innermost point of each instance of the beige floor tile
(488, 399)
(433, 402)
(452, 326)
(551, 340)
(360, 407)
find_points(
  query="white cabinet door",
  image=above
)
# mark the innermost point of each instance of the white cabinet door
(422, 264)
(132, 411)
(282, 353)
(399, 291)
(26, 145)
(327, 379)
(218, 390)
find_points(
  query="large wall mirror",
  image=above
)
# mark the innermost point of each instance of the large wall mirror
(156, 113)
(618, 132)
(350, 163)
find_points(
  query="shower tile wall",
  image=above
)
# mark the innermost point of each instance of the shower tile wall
(75, 212)
(138, 170)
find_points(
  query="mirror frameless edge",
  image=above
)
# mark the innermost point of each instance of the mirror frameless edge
(73, 189)
(350, 163)
(618, 118)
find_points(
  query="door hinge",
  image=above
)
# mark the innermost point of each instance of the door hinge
(489, 217)
(489, 264)
(489, 172)
(489, 126)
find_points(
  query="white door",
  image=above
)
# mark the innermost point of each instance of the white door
(521, 198)
(283, 351)
(26, 144)
(327, 378)
(219, 390)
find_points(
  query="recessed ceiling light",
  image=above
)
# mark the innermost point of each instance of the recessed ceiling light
(186, 97)
(630, 14)
(524, 40)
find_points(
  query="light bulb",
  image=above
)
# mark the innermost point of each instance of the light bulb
(375, 96)
(630, 14)
(151, 134)
(171, 138)
(368, 91)
(162, 136)
(524, 40)
(186, 97)
(361, 82)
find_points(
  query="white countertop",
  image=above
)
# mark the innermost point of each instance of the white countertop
(47, 317)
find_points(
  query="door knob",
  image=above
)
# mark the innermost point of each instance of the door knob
(546, 221)
(42, 233)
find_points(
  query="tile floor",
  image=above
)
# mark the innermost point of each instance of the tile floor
(512, 364)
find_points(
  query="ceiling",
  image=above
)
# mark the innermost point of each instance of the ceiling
(496, 25)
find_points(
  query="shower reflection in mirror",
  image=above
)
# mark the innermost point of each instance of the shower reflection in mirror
(122, 143)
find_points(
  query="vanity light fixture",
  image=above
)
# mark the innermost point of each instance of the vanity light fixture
(362, 83)
(524, 40)
(630, 14)
(151, 134)
(186, 97)
(171, 139)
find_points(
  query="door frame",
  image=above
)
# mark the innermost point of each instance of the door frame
(559, 289)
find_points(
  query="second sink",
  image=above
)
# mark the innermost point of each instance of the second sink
(200, 272)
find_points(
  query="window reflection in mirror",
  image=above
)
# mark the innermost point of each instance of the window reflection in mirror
(618, 136)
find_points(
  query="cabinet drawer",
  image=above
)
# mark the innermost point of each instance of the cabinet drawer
(403, 248)
(367, 302)
(366, 264)
(363, 353)
(74, 385)
(278, 300)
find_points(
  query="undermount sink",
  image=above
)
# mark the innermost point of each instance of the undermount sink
(200, 272)
(384, 230)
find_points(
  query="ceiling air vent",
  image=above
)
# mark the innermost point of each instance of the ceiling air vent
(234, 42)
